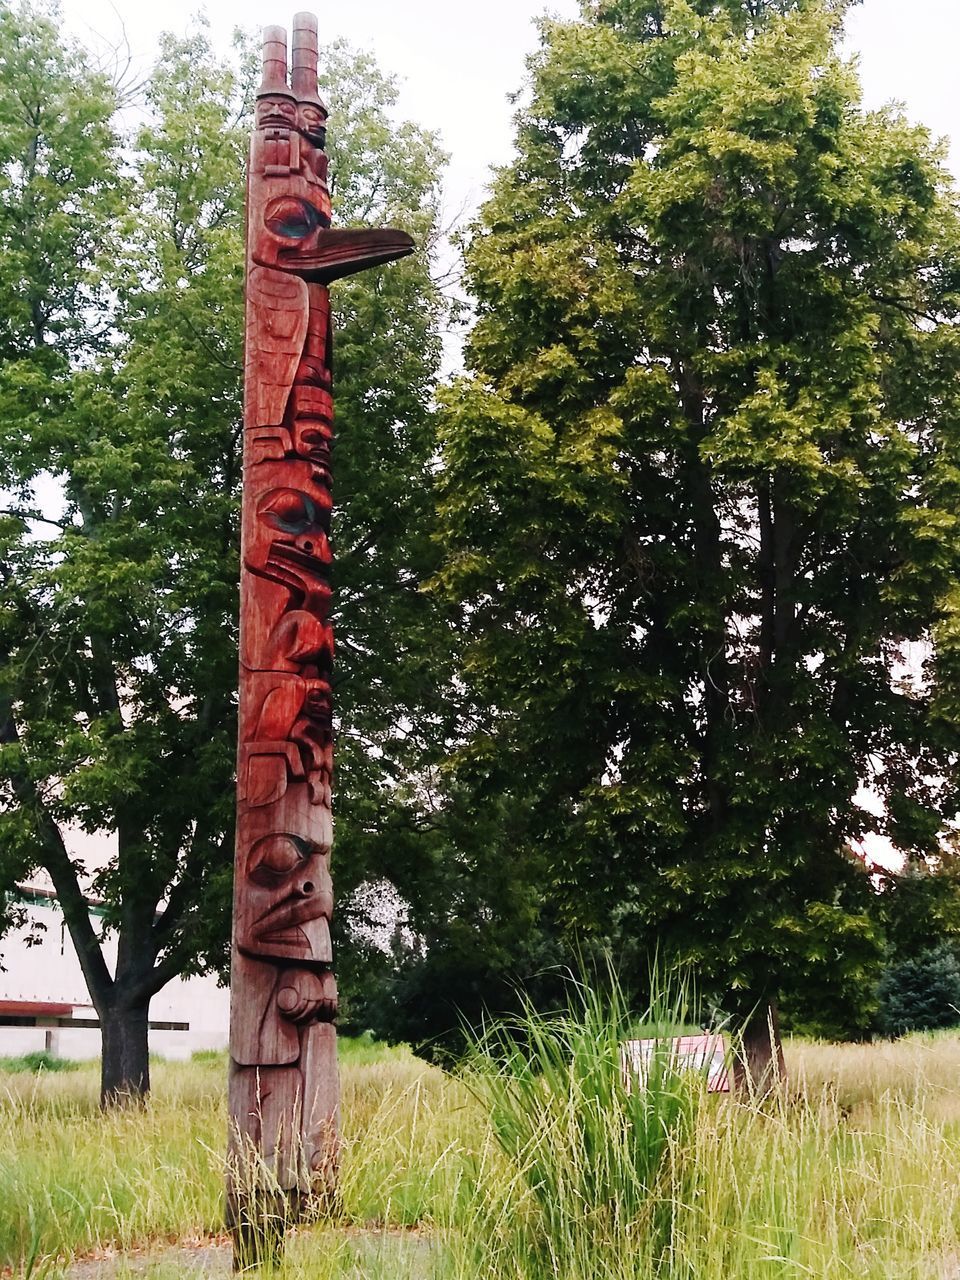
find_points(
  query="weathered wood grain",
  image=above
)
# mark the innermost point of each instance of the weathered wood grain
(283, 1081)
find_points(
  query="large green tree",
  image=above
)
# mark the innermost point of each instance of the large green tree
(700, 485)
(120, 427)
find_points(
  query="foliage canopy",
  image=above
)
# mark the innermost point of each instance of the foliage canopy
(120, 428)
(700, 490)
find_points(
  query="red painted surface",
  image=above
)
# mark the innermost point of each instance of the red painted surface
(706, 1055)
(34, 1009)
(283, 1089)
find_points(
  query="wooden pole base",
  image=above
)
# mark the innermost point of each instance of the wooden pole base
(284, 1148)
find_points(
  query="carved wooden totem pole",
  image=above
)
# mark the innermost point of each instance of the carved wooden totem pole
(283, 1077)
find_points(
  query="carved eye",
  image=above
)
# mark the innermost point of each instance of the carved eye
(290, 511)
(275, 857)
(294, 219)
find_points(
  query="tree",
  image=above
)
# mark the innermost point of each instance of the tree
(700, 486)
(919, 905)
(921, 993)
(477, 936)
(394, 642)
(119, 631)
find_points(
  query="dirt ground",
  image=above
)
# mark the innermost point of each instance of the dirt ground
(196, 1260)
(205, 1258)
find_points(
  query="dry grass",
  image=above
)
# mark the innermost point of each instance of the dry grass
(923, 1070)
(855, 1171)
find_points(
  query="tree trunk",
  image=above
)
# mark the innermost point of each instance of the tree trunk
(125, 1064)
(758, 1065)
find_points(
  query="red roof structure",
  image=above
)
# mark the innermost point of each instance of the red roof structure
(35, 1009)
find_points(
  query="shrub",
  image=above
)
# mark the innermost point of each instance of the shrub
(920, 994)
(40, 1060)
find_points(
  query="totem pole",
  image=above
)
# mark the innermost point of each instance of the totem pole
(283, 1072)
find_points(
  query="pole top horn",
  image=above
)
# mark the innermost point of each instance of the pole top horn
(304, 53)
(274, 82)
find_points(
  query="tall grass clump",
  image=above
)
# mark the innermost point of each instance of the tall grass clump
(586, 1163)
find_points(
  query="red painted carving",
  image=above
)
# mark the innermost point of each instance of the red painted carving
(283, 1086)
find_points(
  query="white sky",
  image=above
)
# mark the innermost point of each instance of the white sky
(457, 62)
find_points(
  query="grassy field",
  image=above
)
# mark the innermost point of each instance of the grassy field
(853, 1171)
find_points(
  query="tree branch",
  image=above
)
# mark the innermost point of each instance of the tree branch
(56, 861)
(35, 517)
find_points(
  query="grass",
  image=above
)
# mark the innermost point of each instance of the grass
(853, 1171)
(31, 1063)
(591, 1169)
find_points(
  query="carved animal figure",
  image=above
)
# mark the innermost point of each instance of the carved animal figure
(283, 1087)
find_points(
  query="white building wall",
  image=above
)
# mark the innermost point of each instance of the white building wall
(50, 972)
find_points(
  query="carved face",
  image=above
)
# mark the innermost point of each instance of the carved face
(313, 410)
(314, 440)
(312, 121)
(293, 226)
(285, 543)
(275, 109)
(287, 899)
(285, 538)
(318, 704)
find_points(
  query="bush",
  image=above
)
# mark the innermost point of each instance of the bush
(920, 994)
(40, 1060)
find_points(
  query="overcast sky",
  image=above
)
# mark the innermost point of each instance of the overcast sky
(457, 62)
